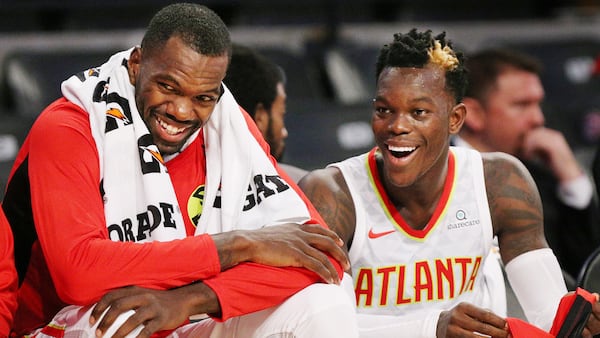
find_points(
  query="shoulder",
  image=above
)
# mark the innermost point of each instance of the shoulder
(512, 194)
(62, 114)
(330, 178)
(294, 172)
(62, 126)
(329, 193)
(499, 167)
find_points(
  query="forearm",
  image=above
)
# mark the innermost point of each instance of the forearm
(68, 211)
(85, 263)
(232, 248)
(251, 287)
(199, 299)
(537, 281)
(83, 283)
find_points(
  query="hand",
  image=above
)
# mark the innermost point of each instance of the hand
(465, 319)
(290, 244)
(552, 148)
(592, 327)
(155, 310)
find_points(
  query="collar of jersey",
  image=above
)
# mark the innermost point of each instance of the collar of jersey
(390, 210)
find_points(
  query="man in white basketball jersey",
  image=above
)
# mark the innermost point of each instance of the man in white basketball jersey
(418, 216)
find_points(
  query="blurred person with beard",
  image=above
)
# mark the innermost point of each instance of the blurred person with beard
(503, 102)
(258, 85)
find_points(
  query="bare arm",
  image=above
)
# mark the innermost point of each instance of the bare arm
(305, 245)
(515, 206)
(288, 245)
(328, 192)
(531, 267)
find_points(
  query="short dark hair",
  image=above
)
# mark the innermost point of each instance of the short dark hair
(417, 49)
(486, 65)
(252, 78)
(198, 26)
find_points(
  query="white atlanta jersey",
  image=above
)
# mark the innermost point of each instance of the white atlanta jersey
(398, 270)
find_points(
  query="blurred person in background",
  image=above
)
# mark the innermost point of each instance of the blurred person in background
(258, 85)
(504, 114)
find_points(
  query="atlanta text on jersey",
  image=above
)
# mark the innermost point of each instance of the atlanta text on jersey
(424, 281)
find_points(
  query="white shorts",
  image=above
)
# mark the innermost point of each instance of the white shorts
(320, 310)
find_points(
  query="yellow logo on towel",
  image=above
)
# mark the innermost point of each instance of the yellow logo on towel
(194, 206)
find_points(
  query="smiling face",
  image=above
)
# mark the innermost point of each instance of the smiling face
(414, 116)
(176, 90)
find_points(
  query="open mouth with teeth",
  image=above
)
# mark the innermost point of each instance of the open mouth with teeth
(400, 152)
(170, 129)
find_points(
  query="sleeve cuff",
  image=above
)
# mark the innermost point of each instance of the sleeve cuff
(576, 193)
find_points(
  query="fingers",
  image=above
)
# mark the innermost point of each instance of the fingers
(467, 320)
(486, 317)
(140, 324)
(308, 246)
(324, 243)
(121, 303)
(318, 229)
(117, 308)
(593, 323)
(104, 304)
(319, 263)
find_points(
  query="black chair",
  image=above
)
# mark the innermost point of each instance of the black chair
(322, 132)
(31, 78)
(350, 68)
(589, 275)
(302, 76)
(13, 130)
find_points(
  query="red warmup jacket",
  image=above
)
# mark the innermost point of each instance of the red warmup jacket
(58, 166)
(8, 278)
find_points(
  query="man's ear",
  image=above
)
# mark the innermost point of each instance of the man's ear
(475, 119)
(261, 118)
(133, 64)
(457, 118)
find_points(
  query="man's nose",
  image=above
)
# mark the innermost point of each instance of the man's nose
(181, 108)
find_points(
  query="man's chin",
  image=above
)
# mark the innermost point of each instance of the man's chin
(168, 150)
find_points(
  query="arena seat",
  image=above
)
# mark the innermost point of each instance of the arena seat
(350, 68)
(322, 132)
(31, 78)
(302, 76)
(13, 131)
(589, 275)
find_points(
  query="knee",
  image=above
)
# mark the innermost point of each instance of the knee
(326, 297)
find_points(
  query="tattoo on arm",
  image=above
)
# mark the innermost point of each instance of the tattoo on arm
(333, 201)
(515, 207)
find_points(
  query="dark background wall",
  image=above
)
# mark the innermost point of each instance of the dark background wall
(44, 15)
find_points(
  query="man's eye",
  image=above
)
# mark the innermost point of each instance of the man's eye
(206, 98)
(382, 110)
(165, 86)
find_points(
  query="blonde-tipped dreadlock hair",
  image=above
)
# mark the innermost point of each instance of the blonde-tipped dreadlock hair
(418, 49)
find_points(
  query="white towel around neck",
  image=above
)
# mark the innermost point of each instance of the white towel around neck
(239, 172)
